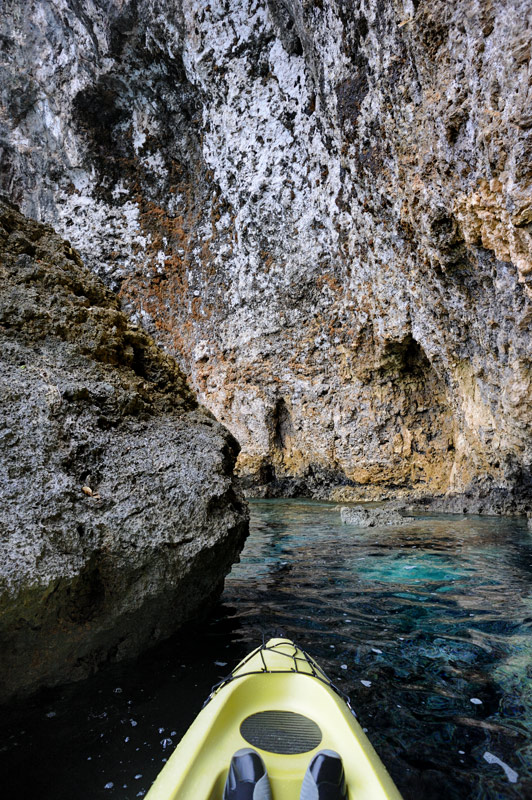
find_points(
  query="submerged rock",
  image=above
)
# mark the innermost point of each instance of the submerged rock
(119, 513)
(364, 517)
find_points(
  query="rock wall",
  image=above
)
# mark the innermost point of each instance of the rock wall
(324, 209)
(119, 516)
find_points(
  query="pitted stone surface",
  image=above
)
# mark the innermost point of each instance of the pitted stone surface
(363, 517)
(322, 208)
(119, 513)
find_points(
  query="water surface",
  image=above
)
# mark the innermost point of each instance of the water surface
(427, 627)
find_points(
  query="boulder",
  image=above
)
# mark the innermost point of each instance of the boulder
(119, 512)
(364, 517)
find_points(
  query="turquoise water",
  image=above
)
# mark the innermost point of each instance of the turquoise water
(427, 627)
(435, 618)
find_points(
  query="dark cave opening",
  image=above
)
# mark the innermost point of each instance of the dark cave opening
(281, 425)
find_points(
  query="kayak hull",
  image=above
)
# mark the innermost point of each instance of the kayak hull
(279, 702)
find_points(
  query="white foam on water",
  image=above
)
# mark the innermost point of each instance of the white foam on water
(511, 774)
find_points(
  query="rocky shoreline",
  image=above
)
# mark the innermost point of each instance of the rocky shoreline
(318, 215)
(487, 499)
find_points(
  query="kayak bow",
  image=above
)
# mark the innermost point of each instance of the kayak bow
(279, 702)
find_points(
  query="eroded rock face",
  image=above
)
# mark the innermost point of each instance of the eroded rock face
(119, 515)
(323, 208)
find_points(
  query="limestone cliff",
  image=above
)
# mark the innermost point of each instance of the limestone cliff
(323, 208)
(119, 516)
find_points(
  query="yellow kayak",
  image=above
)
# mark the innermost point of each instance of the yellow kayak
(282, 705)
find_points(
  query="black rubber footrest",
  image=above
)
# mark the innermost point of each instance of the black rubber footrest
(281, 732)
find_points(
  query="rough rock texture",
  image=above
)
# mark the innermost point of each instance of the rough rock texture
(323, 208)
(372, 517)
(119, 516)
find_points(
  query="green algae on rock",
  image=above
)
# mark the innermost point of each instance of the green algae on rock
(119, 512)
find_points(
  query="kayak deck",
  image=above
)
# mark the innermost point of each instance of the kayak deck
(288, 711)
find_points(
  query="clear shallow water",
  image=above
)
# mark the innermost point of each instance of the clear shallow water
(427, 627)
